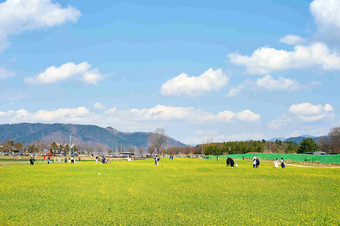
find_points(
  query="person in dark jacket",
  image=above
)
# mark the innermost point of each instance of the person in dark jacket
(228, 161)
(282, 163)
(257, 162)
(232, 163)
(32, 161)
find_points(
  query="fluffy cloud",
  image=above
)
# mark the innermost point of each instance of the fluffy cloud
(309, 112)
(22, 15)
(326, 15)
(184, 85)
(67, 115)
(265, 60)
(292, 39)
(197, 116)
(269, 83)
(304, 118)
(98, 106)
(82, 71)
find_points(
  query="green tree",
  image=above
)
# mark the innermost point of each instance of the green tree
(308, 145)
(292, 147)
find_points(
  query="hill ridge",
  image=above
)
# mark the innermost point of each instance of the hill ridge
(59, 132)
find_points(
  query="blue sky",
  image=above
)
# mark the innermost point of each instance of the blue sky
(220, 70)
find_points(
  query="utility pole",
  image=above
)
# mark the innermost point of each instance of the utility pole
(70, 144)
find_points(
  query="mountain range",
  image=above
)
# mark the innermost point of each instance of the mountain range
(297, 140)
(30, 132)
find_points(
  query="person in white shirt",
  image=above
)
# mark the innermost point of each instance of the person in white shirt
(276, 163)
(254, 161)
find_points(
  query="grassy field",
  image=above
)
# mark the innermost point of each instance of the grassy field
(182, 191)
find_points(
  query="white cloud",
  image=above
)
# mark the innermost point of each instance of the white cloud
(248, 115)
(159, 113)
(82, 71)
(292, 39)
(22, 15)
(326, 15)
(235, 91)
(269, 83)
(98, 106)
(277, 123)
(67, 115)
(196, 116)
(309, 112)
(4, 73)
(265, 60)
(184, 85)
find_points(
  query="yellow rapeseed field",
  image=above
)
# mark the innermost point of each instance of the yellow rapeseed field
(182, 191)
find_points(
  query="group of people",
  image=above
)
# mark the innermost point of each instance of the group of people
(102, 160)
(277, 163)
(230, 162)
(256, 162)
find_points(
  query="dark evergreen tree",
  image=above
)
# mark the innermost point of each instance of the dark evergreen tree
(308, 145)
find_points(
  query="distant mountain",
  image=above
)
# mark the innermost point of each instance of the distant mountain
(299, 139)
(277, 138)
(30, 132)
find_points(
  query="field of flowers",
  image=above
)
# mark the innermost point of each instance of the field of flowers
(182, 191)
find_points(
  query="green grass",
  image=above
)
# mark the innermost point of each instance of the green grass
(183, 191)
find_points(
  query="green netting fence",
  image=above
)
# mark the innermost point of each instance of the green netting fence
(294, 157)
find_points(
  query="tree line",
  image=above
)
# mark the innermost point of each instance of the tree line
(157, 145)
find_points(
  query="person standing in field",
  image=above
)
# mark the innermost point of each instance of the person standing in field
(282, 163)
(155, 159)
(257, 162)
(254, 161)
(232, 163)
(276, 163)
(217, 158)
(32, 161)
(96, 159)
(158, 159)
(228, 161)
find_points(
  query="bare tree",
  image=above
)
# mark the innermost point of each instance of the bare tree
(141, 150)
(151, 150)
(100, 148)
(132, 149)
(325, 144)
(19, 146)
(40, 145)
(7, 146)
(110, 151)
(158, 140)
(334, 135)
